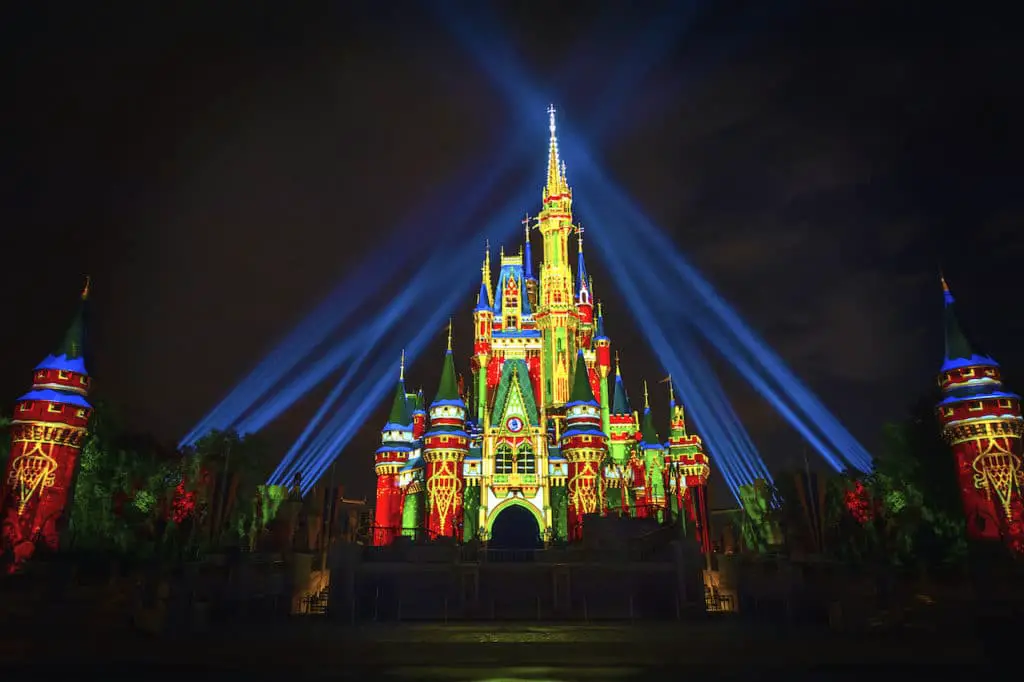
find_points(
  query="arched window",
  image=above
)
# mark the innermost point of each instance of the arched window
(526, 463)
(503, 459)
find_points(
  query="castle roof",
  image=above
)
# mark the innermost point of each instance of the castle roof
(70, 354)
(960, 351)
(448, 387)
(515, 378)
(582, 393)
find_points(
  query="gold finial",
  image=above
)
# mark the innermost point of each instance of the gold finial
(526, 227)
(617, 372)
(579, 238)
(647, 401)
(502, 252)
(401, 367)
(449, 334)
(945, 287)
(85, 289)
(554, 185)
(600, 310)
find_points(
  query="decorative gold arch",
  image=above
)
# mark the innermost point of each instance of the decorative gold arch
(514, 502)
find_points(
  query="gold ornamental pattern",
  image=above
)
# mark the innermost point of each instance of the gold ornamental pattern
(998, 470)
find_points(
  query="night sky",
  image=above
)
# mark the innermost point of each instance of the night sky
(216, 172)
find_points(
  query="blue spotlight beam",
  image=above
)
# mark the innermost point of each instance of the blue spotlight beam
(241, 407)
(518, 90)
(352, 414)
(458, 280)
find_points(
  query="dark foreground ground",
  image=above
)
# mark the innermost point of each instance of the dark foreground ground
(317, 649)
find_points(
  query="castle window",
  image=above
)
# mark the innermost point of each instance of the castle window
(503, 459)
(967, 373)
(526, 462)
(977, 407)
(61, 374)
(25, 407)
(1005, 403)
(950, 411)
(80, 414)
(55, 409)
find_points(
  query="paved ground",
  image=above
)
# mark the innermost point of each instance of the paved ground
(315, 648)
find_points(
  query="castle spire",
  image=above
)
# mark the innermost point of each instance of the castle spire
(959, 348)
(528, 252)
(647, 401)
(556, 184)
(671, 390)
(401, 367)
(449, 335)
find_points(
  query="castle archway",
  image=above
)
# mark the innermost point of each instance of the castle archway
(515, 524)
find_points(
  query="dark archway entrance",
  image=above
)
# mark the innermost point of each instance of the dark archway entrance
(515, 527)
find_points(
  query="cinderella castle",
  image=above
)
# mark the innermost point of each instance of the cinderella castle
(539, 427)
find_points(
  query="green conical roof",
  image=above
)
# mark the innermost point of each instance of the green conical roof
(400, 407)
(581, 390)
(73, 344)
(647, 429)
(448, 389)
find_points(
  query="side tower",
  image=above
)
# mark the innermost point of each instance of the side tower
(396, 444)
(585, 447)
(622, 432)
(445, 446)
(688, 471)
(653, 503)
(556, 314)
(483, 325)
(982, 423)
(47, 430)
(603, 365)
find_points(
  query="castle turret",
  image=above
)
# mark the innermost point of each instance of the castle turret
(584, 446)
(445, 446)
(653, 500)
(688, 471)
(603, 365)
(622, 432)
(556, 315)
(584, 297)
(532, 286)
(396, 440)
(47, 430)
(483, 326)
(982, 423)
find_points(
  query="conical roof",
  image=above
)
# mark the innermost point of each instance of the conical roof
(647, 430)
(620, 399)
(400, 413)
(581, 389)
(960, 351)
(70, 353)
(448, 387)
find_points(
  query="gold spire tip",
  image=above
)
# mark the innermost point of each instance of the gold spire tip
(617, 372)
(945, 287)
(449, 333)
(647, 401)
(85, 289)
(401, 367)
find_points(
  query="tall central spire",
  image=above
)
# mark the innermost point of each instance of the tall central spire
(556, 168)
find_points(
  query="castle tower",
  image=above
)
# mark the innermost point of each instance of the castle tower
(982, 423)
(532, 286)
(584, 446)
(483, 326)
(622, 438)
(419, 415)
(445, 446)
(654, 464)
(556, 313)
(584, 297)
(603, 365)
(688, 472)
(396, 440)
(47, 430)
